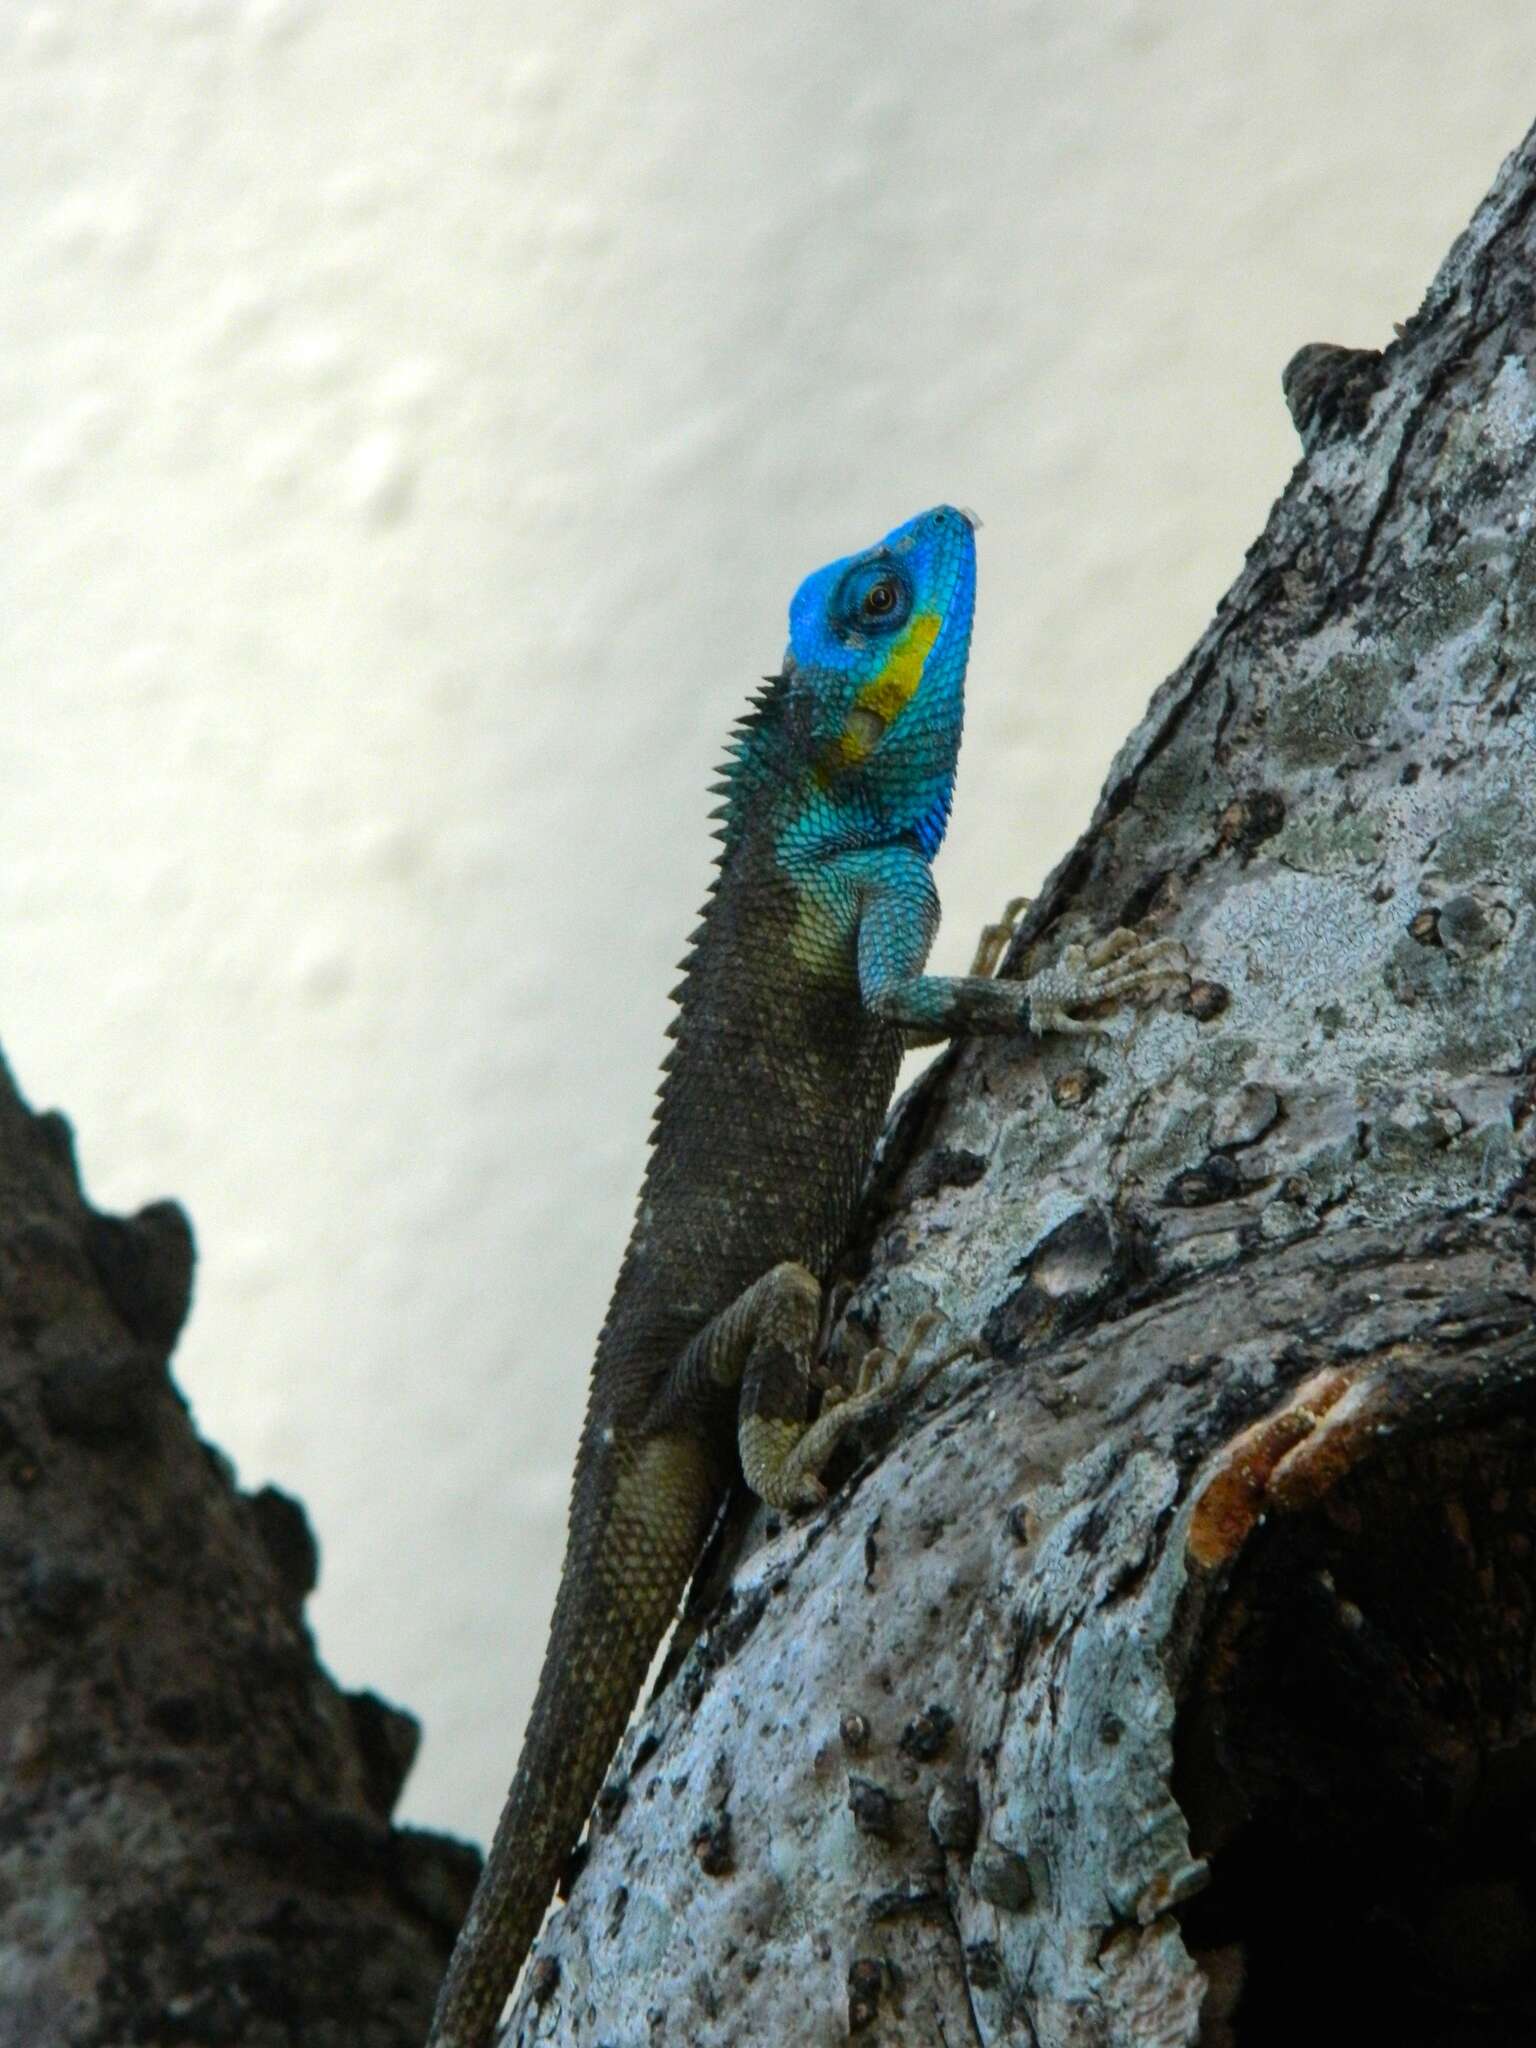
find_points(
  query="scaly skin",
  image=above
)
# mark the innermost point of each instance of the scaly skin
(802, 991)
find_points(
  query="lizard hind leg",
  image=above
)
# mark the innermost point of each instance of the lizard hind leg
(763, 1347)
(765, 1344)
(782, 1453)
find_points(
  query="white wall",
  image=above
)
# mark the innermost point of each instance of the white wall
(413, 422)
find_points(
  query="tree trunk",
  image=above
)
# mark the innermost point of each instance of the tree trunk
(1172, 1675)
(1169, 1677)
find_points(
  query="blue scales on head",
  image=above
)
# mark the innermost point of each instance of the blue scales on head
(876, 685)
(858, 737)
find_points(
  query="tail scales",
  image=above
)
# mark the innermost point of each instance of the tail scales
(624, 1574)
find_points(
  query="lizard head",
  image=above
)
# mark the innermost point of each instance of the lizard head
(875, 677)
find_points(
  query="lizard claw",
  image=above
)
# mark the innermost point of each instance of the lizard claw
(993, 940)
(1119, 968)
(882, 1373)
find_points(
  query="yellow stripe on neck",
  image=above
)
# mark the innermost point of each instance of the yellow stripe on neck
(885, 696)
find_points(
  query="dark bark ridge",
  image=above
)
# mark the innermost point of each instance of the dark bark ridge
(1210, 1580)
(195, 1843)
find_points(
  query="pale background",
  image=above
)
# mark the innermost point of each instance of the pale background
(413, 422)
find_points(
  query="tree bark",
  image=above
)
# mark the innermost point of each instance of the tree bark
(1168, 1675)
(1171, 1677)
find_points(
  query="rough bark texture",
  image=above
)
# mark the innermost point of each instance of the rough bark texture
(194, 1822)
(1173, 1675)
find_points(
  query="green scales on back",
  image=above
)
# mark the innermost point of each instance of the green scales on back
(802, 990)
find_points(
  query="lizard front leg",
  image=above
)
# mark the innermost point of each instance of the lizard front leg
(899, 913)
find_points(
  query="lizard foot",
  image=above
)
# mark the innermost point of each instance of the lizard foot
(993, 940)
(881, 1375)
(1122, 967)
(881, 1372)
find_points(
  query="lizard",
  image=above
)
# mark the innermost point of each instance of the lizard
(803, 988)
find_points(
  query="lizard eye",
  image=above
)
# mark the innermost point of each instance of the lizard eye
(875, 598)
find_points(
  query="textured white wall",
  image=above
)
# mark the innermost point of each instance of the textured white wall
(413, 422)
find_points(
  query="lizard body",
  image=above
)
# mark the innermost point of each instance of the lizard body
(803, 988)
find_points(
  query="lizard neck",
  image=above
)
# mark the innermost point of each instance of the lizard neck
(777, 778)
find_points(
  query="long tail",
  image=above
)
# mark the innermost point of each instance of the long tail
(624, 1573)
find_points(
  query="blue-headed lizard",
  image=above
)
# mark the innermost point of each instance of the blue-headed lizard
(803, 988)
